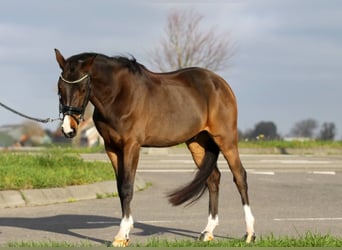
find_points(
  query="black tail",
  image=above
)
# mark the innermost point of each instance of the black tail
(195, 189)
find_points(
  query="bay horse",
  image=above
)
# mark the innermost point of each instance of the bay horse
(136, 108)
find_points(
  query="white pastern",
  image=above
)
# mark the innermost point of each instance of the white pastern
(125, 227)
(66, 125)
(212, 223)
(249, 219)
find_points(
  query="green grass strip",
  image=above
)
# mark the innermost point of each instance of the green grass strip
(50, 168)
(307, 240)
(311, 144)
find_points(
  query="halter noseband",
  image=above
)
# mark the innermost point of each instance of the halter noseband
(71, 110)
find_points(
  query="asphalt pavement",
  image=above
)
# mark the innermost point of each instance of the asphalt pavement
(290, 195)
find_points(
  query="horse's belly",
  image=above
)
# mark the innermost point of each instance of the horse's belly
(172, 132)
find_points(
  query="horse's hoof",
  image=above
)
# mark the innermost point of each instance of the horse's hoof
(250, 238)
(120, 242)
(206, 236)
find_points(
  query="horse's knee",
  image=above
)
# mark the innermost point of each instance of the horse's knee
(126, 189)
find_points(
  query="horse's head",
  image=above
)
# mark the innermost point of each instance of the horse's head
(73, 90)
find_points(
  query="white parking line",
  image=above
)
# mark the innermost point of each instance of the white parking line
(296, 161)
(261, 172)
(104, 222)
(194, 170)
(309, 219)
(118, 222)
(166, 170)
(324, 172)
(187, 161)
(155, 221)
(177, 161)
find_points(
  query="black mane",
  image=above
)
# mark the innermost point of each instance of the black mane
(130, 63)
(127, 62)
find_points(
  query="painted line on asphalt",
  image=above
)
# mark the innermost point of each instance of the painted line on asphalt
(309, 219)
(155, 221)
(118, 222)
(194, 171)
(103, 222)
(177, 161)
(296, 161)
(166, 170)
(249, 171)
(323, 172)
(261, 172)
(187, 161)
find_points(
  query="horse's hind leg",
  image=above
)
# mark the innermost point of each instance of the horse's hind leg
(228, 147)
(199, 146)
(213, 187)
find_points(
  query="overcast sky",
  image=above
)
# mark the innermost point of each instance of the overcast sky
(287, 64)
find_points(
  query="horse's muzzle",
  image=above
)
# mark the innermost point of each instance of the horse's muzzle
(69, 126)
(69, 134)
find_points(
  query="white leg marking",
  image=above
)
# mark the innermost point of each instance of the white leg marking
(66, 125)
(212, 223)
(207, 233)
(249, 219)
(125, 227)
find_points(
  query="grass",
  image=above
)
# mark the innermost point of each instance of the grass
(291, 144)
(106, 195)
(49, 243)
(307, 240)
(76, 150)
(49, 168)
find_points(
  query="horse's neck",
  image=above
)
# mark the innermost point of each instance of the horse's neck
(97, 96)
(103, 90)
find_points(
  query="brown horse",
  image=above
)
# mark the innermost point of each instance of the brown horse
(136, 108)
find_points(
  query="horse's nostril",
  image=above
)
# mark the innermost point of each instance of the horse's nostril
(72, 134)
(69, 134)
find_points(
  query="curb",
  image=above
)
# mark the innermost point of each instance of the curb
(38, 197)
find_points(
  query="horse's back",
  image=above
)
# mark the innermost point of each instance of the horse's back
(194, 82)
(204, 87)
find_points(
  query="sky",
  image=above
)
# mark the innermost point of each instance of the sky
(287, 63)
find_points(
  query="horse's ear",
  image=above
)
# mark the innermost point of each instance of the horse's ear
(60, 59)
(86, 65)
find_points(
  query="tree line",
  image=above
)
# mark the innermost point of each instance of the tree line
(307, 128)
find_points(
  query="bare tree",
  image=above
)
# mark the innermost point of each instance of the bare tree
(328, 131)
(304, 128)
(187, 44)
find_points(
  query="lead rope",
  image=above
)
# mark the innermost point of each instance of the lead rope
(29, 117)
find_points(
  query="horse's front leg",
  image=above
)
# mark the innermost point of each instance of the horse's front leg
(127, 161)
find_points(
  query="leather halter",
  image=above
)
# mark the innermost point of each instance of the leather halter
(71, 110)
